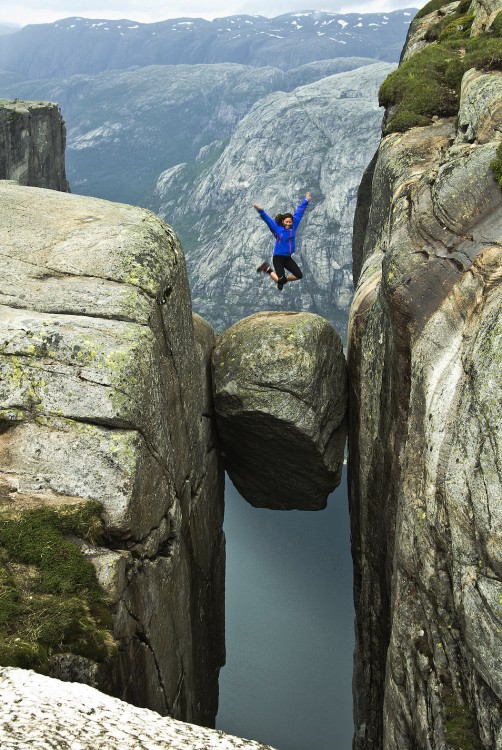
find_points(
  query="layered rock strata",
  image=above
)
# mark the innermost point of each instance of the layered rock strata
(41, 712)
(280, 398)
(425, 480)
(32, 144)
(105, 395)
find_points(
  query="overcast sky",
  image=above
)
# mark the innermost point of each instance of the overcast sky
(147, 11)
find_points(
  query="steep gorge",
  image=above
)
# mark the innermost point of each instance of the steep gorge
(424, 357)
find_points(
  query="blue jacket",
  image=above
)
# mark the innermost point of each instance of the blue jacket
(284, 238)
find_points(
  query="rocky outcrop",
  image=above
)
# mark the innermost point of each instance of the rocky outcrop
(425, 481)
(32, 144)
(280, 399)
(41, 712)
(328, 130)
(105, 395)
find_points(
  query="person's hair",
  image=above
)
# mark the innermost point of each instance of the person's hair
(280, 218)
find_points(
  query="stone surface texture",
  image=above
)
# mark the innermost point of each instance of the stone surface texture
(32, 144)
(280, 388)
(47, 714)
(105, 394)
(425, 441)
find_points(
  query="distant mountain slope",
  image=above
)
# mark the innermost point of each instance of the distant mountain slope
(319, 137)
(81, 45)
(9, 28)
(126, 127)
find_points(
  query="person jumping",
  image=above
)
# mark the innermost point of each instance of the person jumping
(284, 230)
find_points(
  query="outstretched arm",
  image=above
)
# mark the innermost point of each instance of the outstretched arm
(274, 228)
(297, 216)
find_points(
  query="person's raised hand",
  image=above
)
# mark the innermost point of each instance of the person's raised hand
(258, 208)
(307, 196)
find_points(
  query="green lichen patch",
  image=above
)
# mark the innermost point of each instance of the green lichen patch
(496, 165)
(461, 731)
(50, 598)
(428, 83)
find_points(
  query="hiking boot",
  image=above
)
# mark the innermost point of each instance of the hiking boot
(264, 268)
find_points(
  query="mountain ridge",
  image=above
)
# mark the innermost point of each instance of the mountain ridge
(81, 45)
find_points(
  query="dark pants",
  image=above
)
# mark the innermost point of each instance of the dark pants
(283, 263)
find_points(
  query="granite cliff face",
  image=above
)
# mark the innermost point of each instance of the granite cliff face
(319, 138)
(280, 390)
(424, 370)
(32, 144)
(105, 396)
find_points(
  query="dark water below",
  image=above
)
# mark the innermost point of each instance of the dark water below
(289, 625)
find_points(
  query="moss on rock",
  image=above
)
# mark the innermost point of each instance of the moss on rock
(461, 731)
(50, 598)
(428, 82)
(496, 165)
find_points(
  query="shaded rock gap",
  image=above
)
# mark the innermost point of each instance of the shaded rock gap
(179, 379)
(142, 637)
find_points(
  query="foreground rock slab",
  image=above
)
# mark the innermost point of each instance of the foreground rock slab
(280, 397)
(105, 395)
(45, 713)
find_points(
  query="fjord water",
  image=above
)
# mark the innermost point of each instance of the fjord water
(289, 625)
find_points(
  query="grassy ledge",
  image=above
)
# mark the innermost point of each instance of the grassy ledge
(50, 598)
(428, 83)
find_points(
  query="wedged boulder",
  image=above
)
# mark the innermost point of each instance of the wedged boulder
(280, 388)
(105, 395)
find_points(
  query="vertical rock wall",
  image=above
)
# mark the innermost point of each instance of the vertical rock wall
(32, 144)
(105, 393)
(425, 452)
